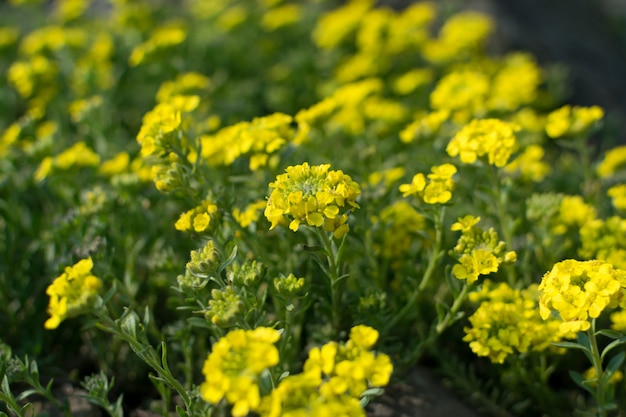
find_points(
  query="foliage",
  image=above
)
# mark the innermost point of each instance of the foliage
(267, 207)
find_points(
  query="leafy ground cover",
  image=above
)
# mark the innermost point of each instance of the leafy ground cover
(279, 208)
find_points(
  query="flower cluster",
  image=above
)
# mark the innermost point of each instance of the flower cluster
(313, 196)
(492, 138)
(618, 196)
(258, 139)
(333, 380)
(78, 155)
(579, 291)
(479, 252)
(235, 367)
(604, 239)
(571, 121)
(507, 322)
(529, 164)
(438, 189)
(614, 160)
(72, 293)
(164, 37)
(400, 223)
(197, 219)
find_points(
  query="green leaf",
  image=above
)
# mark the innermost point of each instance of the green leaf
(583, 340)
(230, 260)
(571, 345)
(612, 345)
(580, 381)
(613, 365)
(612, 334)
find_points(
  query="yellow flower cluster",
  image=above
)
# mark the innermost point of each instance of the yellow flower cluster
(508, 321)
(184, 84)
(479, 252)
(618, 196)
(400, 223)
(79, 155)
(487, 137)
(164, 37)
(579, 291)
(571, 121)
(250, 214)
(259, 139)
(461, 90)
(604, 239)
(197, 219)
(72, 293)
(425, 126)
(573, 213)
(515, 84)
(461, 36)
(438, 189)
(529, 164)
(313, 196)
(333, 380)
(234, 368)
(163, 121)
(614, 160)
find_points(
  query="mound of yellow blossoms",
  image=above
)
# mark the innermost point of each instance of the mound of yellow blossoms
(580, 290)
(72, 292)
(313, 196)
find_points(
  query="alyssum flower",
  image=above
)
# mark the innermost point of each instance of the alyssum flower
(72, 293)
(313, 196)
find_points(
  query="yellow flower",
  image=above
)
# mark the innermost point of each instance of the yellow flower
(72, 293)
(487, 137)
(579, 291)
(464, 90)
(570, 121)
(313, 196)
(438, 189)
(618, 196)
(529, 164)
(234, 367)
(508, 321)
(250, 214)
(197, 219)
(614, 159)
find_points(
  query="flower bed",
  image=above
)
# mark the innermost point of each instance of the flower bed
(278, 208)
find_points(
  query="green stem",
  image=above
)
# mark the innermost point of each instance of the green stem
(451, 314)
(333, 275)
(145, 352)
(436, 255)
(596, 360)
(501, 202)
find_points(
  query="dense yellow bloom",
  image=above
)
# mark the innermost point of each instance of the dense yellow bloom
(614, 160)
(412, 80)
(579, 291)
(312, 196)
(334, 377)
(165, 118)
(163, 37)
(515, 84)
(529, 164)
(184, 84)
(261, 137)
(507, 322)
(438, 188)
(570, 121)
(78, 155)
(461, 90)
(573, 213)
(197, 219)
(460, 36)
(487, 137)
(479, 252)
(116, 165)
(30, 74)
(72, 293)
(250, 214)
(281, 16)
(424, 127)
(400, 223)
(618, 196)
(234, 366)
(336, 25)
(605, 240)
(618, 321)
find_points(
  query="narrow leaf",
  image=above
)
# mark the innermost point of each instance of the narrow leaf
(612, 345)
